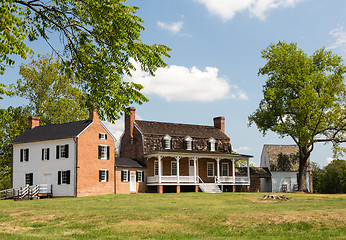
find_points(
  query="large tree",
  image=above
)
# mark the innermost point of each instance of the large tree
(304, 98)
(98, 38)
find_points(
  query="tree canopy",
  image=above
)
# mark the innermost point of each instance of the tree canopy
(98, 38)
(304, 98)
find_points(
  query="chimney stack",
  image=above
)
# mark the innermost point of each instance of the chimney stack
(219, 122)
(33, 122)
(94, 116)
(130, 121)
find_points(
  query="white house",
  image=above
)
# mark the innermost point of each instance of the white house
(283, 164)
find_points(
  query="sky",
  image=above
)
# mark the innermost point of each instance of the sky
(215, 57)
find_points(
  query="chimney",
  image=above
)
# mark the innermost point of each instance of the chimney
(94, 116)
(33, 122)
(219, 122)
(130, 121)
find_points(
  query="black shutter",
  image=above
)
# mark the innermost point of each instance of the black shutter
(192, 145)
(215, 146)
(100, 175)
(136, 176)
(107, 175)
(21, 155)
(68, 176)
(42, 153)
(57, 152)
(47, 153)
(59, 177)
(107, 152)
(171, 143)
(128, 176)
(100, 135)
(105, 136)
(66, 151)
(122, 175)
(100, 151)
(31, 182)
(142, 176)
(27, 155)
(209, 146)
(185, 144)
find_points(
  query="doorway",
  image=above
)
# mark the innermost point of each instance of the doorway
(133, 183)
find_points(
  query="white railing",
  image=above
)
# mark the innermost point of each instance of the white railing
(27, 192)
(172, 179)
(229, 179)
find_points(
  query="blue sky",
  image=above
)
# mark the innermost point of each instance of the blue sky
(215, 58)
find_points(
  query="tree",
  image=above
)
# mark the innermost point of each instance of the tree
(304, 98)
(334, 178)
(99, 38)
(53, 96)
(317, 174)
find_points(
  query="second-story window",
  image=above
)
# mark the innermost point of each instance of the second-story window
(188, 143)
(62, 151)
(24, 155)
(103, 152)
(167, 142)
(45, 154)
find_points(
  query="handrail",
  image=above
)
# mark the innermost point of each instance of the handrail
(200, 179)
(28, 192)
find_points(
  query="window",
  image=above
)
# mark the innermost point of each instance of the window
(191, 163)
(103, 175)
(24, 155)
(62, 151)
(210, 169)
(156, 168)
(188, 143)
(225, 169)
(140, 176)
(212, 146)
(64, 177)
(167, 142)
(29, 179)
(45, 153)
(103, 152)
(102, 136)
(174, 168)
(125, 176)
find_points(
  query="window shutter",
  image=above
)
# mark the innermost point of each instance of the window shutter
(66, 151)
(128, 175)
(215, 146)
(21, 155)
(68, 176)
(122, 175)
(31, 179)
(57, 151)
(107, 175)
(59, 177)
(47, 153)
(142, 176)
(42, 154)
(136, 176)
(170, 143)
(105, 136)
(209, 145)
(192, 145)
(27, 155)
(100, 151)
(100, 135)
(107, 152)
(185, 145)
(100, 175)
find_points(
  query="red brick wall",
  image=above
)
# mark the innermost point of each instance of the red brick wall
(88, 164)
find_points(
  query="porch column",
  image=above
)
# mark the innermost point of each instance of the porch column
(178, 158)
(160, 168)
(218, 169)
(195, 168)
(248, 171)
(233, 170)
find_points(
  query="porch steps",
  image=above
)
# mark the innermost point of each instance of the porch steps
(210, 188)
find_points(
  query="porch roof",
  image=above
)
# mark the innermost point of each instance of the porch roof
(198, 154)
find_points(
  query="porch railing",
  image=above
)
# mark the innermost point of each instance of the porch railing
(191, 179)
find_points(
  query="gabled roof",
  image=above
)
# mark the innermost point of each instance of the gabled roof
(283, 158)
(129, 162)
(260, 172)
(52, 132)
(180, 130)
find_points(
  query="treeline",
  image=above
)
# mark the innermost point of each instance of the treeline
(331, 178)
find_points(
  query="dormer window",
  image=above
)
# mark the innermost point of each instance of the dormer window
(212, 144)
(188, 143)
(167, 142)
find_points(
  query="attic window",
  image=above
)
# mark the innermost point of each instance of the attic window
(188, 143)
(167, 142)
(102, 136)
(212, 144)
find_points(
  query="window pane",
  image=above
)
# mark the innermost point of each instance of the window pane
(174, 168)
(210, 169)
(225, 169)
(64, 177)
(62, 151)
(156, 168)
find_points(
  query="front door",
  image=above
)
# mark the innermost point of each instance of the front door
(288, 183)
(191, 168)
(133, 183)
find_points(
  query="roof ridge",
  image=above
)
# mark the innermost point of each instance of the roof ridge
(177, 123)
(63, 123)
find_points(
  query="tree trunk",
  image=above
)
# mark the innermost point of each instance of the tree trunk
(303, 167)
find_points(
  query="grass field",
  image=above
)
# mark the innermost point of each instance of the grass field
(176, 216)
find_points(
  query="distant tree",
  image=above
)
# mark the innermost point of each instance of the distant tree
(53, 96)
(304, 98)
(334, 178)
(317, 174)
(98, 38)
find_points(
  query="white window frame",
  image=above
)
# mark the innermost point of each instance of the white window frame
(167, 142)
(45, 153)
(103, 151)
(127, 175)
(227, 169)
(140, 176)
(208, 165)
(62, 153)
(175, 168)
(102, 136)
(156, 168)
(63, 177)
(104, 175)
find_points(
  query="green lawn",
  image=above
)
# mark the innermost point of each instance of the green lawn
(176, 216)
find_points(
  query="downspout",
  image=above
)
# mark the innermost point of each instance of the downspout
(75, 165)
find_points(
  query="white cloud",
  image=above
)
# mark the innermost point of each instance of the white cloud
(179, 83)
(116, 129)
(226, 9)
(242, 149)
(340, 38)
(173, 27)
(329, 159)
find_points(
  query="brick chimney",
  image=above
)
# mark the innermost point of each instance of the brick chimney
(93, 115)
(130, 121)
(219, 122)
(33, 122)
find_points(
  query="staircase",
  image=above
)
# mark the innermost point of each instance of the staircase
(210, 188)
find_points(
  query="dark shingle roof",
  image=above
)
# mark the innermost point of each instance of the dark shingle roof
(129, 162)
(261, 172)
(52, 132)
(180, 130)
(283, 158)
